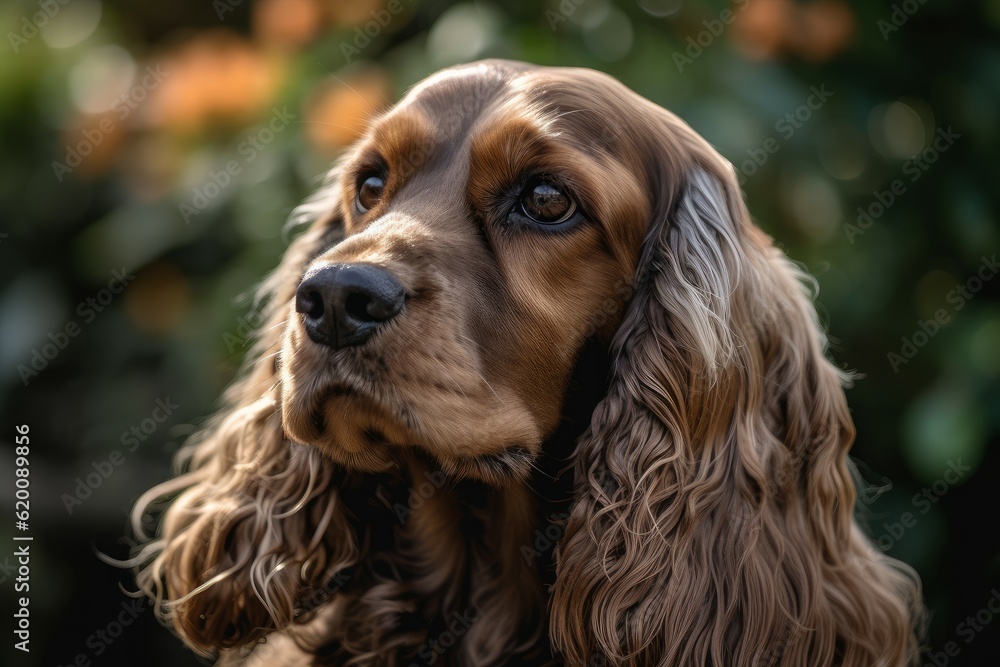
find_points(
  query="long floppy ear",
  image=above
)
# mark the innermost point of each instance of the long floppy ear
(713, 521)
(260, 524)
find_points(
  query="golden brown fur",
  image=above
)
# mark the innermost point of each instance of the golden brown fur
(647, 388)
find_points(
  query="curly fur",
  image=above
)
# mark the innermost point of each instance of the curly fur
(714, 500)
(668, 392)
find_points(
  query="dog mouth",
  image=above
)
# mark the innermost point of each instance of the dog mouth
(496, 468)
(369, 414)
(369, 434)
(376, 419)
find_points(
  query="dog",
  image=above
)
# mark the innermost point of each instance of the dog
(532, 389)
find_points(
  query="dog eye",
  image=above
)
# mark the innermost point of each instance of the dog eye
(369, 192)
(545, 203)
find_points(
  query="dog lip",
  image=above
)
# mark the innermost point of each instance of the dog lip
(515, 453)
(505, 465)
(391, 426)
(321, 398)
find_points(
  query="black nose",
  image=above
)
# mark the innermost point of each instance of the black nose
(344, 304)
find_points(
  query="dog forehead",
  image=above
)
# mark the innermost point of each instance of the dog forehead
(467, 91)
(458, 105)
(454, 99)
(460, 101)
(463, 77)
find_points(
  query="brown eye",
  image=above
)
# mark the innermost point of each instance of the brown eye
(545, 203)
(369, 192)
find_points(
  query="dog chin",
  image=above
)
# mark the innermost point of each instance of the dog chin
(358, 434)
(351, 430)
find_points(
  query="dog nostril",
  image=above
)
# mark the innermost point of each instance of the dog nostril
(365, 306)
(310, 303)
(359, 306)
(316, 309)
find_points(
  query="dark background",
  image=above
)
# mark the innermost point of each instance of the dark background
(175, 333)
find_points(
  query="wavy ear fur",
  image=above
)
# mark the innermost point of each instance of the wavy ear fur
(260, 523)
(713, 521)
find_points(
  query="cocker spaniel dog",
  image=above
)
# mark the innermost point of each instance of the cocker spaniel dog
(533, 390)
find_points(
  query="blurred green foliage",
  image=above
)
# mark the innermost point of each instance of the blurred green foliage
(171, 141)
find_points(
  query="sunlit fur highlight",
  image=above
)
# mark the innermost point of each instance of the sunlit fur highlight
(711, 511)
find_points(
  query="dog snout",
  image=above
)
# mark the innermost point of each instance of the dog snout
(344, 304)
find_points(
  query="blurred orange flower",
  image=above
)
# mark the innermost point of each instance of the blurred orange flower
(826, 27)
(762, 28)
(816, 31)
(91, 145)
(215, 76)
(286, 23)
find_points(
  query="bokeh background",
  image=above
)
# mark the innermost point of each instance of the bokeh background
(118, 119)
